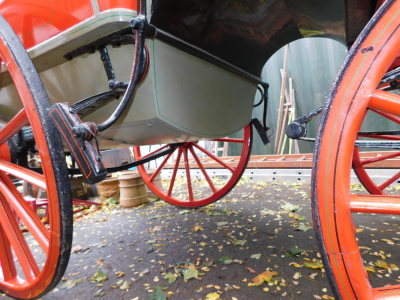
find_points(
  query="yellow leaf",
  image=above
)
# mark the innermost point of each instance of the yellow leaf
(390, 242)
(263, 277)
(296, 265)
(370, 269)
(382, 264)
(197, 228)
(212, 296)
(297, 275)
(314, 265)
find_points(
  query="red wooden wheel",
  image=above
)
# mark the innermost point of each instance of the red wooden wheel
(371, 185)
(188, 159)
(360, 165)
(33, 255)
(356, 90)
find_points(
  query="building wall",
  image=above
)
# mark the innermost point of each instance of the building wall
(312, 64)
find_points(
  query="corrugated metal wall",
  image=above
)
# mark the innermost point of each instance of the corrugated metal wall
(312, 64)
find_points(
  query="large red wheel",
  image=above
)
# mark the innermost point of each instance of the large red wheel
(192, 158)
(34, 250)
(355, 91)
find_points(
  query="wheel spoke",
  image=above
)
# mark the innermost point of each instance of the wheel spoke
(382, 137)
(222, 163)
(387, 293)
(203, 170)
(24, 212)
(153, 152)
(18, 242)
(13, 126)
(386, 102)
(389, 181)
(379, 204)
(171, 184)
(188, 179)
(379, 158)
(387, 116)
(229, 140)
(7, 262)
(23, 173)
(158, 170)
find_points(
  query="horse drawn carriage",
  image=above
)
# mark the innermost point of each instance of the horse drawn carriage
(104, 73)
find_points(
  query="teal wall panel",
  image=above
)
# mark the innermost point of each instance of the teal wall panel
(312, 63)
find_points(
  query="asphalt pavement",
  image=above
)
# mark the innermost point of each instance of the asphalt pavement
(255, 243)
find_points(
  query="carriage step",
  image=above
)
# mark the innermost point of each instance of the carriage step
(84, 151)
(262, 131)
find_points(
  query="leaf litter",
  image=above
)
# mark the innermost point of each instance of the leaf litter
(225, 244)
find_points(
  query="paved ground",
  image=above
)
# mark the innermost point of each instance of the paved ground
(256, 243)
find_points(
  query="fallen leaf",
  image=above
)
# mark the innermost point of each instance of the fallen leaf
(303, 227)
(297, 275)
(213, 296)
(290, 207)
(70, 284)
(190, 273)
(99, 276)
(294, 252)
(219, 224)
(268, 212)
(226, 260)
(157, 228)
(299, 217)
(314, 265)
(239, 242)
(390, 242)
(197, 228)
(125, 285)
(370, 269)
(119, 274)
(263, 277)
(171, 277)
(158, 294)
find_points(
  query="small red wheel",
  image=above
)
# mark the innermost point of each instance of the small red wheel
(361, 164)
(356, 91)
(189, 162)
(34, 251)
(371, 185)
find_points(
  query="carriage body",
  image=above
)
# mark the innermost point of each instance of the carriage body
(183, 97)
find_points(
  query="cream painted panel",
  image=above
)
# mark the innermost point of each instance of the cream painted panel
(85, 76)
(198, 97)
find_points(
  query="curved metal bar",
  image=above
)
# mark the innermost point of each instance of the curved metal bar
(138, 24)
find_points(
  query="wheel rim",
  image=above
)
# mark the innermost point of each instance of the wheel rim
(34, 249)
(187, 159)
(355, 91)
